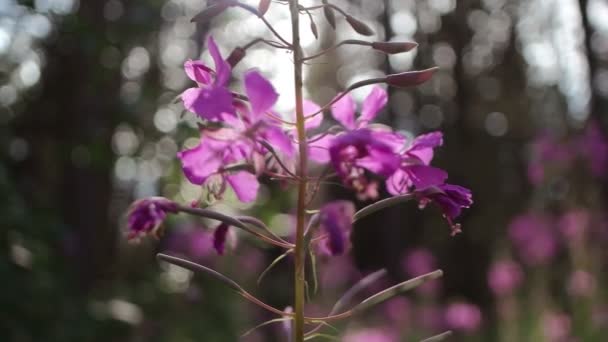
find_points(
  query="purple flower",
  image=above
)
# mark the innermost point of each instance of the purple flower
(462, 316)
(211, 100)
(146, 215)
(336, 220)
(556, 326)
(504, 277)
(574, 224)
(546, 149)
(356, 151)
(533, 238)
(594, 147)
(370, 335)
(207, 164)
(450, 198)
(414, 171)
(344, 109)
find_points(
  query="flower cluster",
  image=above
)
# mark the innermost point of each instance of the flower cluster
(235, 144)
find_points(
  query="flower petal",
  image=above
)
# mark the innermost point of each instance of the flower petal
(222, 68)
(198, 72)
(208, 103)
(261, 93)
(219, 238)
(245, 185)
(309, 109)
(423, 176)
(375, 101)
(422, 147)
(318, 148)
(200, 162)
(278, 139)
(344, 111)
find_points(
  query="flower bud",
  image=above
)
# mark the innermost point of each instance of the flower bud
(359, 26)
(394, 47)
(146, 215)
(236, 56)
(329, 14)
(219, 238)
(313, 28)
(410, 78)
(263, 6)
(212, 11)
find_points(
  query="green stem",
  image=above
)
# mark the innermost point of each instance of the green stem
(300, 250)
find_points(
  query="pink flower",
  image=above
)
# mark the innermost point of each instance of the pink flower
(356, 151)
(414, 171)
(146, 216)
(450, 198)
(462, 316)
(336, 221)
(211, 99)
(504, 277)
(533, 238)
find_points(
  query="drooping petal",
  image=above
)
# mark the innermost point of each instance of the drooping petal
(219, 238)
(222, 68)
(309, 109)
(344, 111)
(278, 139)
(244, 184)
(146, 215)
(423, 176)
(422, 147)
(200, 162)
(336, 220)
(208, 103)
(398, 183)
(375, 101)
(198, 72)
(261, 93)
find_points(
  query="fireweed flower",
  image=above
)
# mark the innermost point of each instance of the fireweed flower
(354, 152)
(504, 277)
(146, 216)
(462, 316)
(414, 171)
(450, 198)
(219, 238)
(211, 99)
(336, 221)
(533, 239)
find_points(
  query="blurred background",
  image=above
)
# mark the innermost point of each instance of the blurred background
(88, 124)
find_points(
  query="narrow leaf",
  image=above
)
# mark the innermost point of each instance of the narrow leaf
(437, 338)
(396, 290)
(194, 267)
(325, 336)
(392, 48)
(261, 325)
(272, 264)
(385, 203)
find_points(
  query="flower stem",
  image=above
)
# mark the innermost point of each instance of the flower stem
(300, 250)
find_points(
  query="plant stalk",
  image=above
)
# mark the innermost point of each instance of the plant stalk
(300, 249)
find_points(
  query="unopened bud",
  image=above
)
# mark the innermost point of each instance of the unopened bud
(212, 11)
(359, 26)
(313, 28)
(236, 56)
(263, 6)
(394, 47)
(410, 78)
(329, 14)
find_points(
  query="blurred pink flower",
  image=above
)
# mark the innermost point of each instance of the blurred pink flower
(556, 326)
(533, 238)
(581, 284)
(547, 149)
(463, 317)
(504, 277)
(371, 335)
(574, 223)
(594, 147)
(418, 262)
(398, 310)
